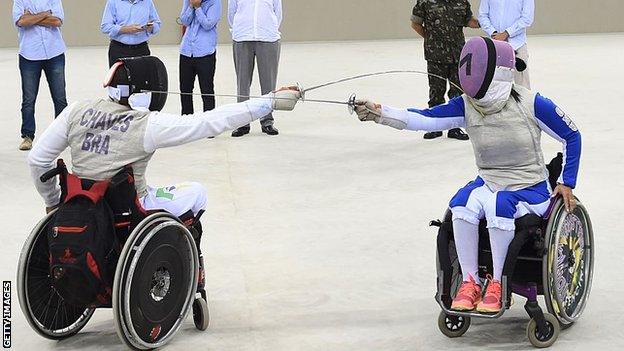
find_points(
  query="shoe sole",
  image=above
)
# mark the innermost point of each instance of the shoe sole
(465, 309)
(462, 309)
(487, 310)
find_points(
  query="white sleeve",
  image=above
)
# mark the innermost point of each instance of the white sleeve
(43, 155)
(277, 7)
(232, 7)
(166, 130)
(418, 121)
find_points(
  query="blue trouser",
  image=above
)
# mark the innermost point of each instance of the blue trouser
(476, 201)
(30, 71)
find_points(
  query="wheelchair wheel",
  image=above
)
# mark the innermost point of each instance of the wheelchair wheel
(569, 262)
(201, 314)
(453, 326)
(540, 340)
(45, 310)
(155, 282)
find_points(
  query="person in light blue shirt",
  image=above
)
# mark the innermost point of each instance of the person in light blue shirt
(129, 24)
(508, 20)
(198, 50)
(41, 48)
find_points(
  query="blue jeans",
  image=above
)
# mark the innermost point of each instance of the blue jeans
(30, 71)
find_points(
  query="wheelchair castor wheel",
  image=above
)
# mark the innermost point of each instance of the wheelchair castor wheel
(453, 326)
(201, 315)
(540, 340)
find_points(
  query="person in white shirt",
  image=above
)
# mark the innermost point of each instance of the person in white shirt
(255, 32)
(508, 20)
(106, 135)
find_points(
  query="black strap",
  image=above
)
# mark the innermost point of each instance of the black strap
(491, 67)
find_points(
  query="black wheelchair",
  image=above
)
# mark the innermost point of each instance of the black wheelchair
(551, 256)
(156, 278)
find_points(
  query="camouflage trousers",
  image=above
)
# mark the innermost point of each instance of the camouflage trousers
(437, 86)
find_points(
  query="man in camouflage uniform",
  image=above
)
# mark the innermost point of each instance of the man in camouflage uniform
(441, 23)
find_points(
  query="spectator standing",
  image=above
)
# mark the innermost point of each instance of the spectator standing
(198, 51)
(508, 20)
(41, 48)
(441, 23)
(255, 33)
(129, 24)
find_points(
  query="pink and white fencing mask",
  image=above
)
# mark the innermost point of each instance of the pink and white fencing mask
(482, 62)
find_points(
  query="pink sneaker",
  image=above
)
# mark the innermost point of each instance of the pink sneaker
(492, 301)
(468, 296)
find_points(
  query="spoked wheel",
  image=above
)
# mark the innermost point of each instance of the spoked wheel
(542, 340)
(453, 326)
(155, 282)
(45, 310)
(201, 314)
(568, 267)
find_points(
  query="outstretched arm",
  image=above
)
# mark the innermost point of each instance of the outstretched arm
(44, 154)
(166, 130)
(442, 117)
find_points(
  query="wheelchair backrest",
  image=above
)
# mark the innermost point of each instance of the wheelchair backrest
(554, 169)
(121, 197)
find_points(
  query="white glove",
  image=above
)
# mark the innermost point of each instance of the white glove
(367, 110)
(370, 111)
(285, 99)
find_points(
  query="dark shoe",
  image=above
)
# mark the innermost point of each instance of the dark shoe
(432, 135)
(458, 134)
(240, 132)
(270, 130)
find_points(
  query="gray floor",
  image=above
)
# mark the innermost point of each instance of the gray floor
(317, 239)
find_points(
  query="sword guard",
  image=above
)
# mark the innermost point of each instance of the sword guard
(302, 91)
(351, 103)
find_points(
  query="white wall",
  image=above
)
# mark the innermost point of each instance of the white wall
(318, 20)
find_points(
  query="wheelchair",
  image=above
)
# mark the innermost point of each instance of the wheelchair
(155, 282)
(551, 256)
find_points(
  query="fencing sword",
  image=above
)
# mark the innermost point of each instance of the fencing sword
(380, 73)
(351, 102)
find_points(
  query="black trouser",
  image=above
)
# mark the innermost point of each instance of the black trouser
(437, 86)
(204, 68)
(117, 50)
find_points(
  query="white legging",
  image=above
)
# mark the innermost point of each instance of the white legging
(467, 244)
(177, 199)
